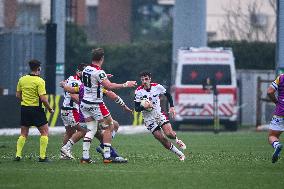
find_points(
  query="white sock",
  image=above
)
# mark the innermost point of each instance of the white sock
(107, 150)
(86, 148)
(113, 133)
(175, 150)
(275, 144)
(69, 144)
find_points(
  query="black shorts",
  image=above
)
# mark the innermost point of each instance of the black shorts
(32, 116)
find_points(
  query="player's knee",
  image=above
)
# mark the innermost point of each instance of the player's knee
(90, 134)
(115, 125)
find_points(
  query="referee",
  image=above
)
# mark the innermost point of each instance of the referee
(31, 91)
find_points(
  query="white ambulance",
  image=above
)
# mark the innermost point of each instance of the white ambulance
(193, 103)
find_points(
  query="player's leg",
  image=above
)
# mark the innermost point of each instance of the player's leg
(69, 131)
(21, 142)
(26, 120)
(169, 132)
(92, 116)
(107, 138)
(276, 127)
(107, 133)
(99, 136)
(91, 125)
(166, 143)
(43, 142)
(167, 128)
(116, 158)
(74, 119)
(273, 137)
(67, 118)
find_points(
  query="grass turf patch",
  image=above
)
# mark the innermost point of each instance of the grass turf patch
(225, 160)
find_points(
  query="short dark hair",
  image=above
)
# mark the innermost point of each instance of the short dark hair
(34, 64)
(145, 73)
(97, 54)
(81, 66)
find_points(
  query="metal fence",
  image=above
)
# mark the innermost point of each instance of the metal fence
(16, 49)
(248, 95)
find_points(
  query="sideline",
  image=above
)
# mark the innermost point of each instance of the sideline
(123, 129)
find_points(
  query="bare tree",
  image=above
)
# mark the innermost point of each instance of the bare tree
(249, 23)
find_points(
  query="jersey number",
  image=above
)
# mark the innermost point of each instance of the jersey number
(87, 79)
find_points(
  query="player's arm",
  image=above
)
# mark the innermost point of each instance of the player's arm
(271, 94)
(46, 103)
(19, 95)
(75, 98)
(69, 89)
(110, 86)
(171, 102)
(272, 89)
(19, 91)
(113, 96)
(42, 96)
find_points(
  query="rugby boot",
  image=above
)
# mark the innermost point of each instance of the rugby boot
(17, 158)
(44, 160)
(181, 144)
(182, 157)
(66, 152)
(276, 153)
(86, 161)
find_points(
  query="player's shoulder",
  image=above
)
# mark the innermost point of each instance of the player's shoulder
(281, 76)
(154, 84)
(157, 85)
(88, 69)
(139, 88)
(40, 80)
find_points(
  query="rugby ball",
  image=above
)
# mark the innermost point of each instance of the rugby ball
(144, 102)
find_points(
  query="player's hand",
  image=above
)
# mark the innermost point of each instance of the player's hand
(126, 108)
(172, 112)
(109, 75)
(62, 83)
(148, 104)
(51, 110)
(129, 84)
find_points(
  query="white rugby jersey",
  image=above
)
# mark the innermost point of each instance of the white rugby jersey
(72, 81)
(153, 94)
(92, 76)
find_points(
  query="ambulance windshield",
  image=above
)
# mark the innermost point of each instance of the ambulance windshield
(196, 74)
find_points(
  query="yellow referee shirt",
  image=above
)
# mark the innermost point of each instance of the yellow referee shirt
(32, 87)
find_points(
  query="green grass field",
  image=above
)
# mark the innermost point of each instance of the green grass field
(227, 160)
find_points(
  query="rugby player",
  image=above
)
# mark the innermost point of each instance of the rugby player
(154, 119)
(70, 115)
(276, 126)
(99, 133)
(92, 106)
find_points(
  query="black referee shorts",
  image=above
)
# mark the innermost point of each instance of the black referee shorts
(33, 116)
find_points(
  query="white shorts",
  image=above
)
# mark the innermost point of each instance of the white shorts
(155, 122)
(277, 123)
(70, 117)
(97, 111)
